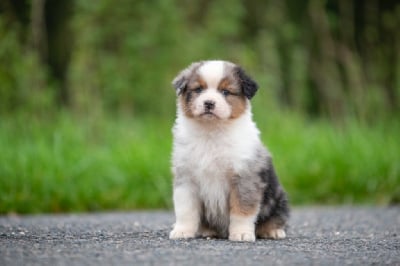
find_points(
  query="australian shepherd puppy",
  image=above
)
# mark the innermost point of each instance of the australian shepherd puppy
(224, 182)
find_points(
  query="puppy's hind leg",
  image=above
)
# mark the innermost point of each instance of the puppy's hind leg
(273, 217)
(274, 211)
(187, 212)
(272, 229)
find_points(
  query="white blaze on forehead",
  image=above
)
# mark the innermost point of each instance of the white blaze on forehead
(212, 72)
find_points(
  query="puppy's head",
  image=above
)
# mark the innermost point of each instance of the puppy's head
(214, 90)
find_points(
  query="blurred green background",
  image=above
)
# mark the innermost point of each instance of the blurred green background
(86, 105)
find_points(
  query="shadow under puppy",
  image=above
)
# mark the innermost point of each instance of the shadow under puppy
(224, 181)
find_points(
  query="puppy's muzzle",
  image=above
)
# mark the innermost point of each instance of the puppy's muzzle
(209, 106)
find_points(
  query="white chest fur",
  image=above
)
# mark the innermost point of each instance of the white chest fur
(208, 155)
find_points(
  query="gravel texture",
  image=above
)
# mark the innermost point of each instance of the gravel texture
(317, 235)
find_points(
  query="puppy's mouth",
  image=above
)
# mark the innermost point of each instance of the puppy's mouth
(208, 115)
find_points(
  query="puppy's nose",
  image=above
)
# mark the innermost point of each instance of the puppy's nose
(209, 105)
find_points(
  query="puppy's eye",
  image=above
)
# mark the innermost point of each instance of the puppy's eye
(198, 90)
(225, 92)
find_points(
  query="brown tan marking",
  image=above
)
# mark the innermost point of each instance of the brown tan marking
(188, 96)
(236, 100)
(242, 207)
(226, 84)
(186, 104)
(238, 104)
(198, 82)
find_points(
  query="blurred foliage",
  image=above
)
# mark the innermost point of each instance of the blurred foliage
(23, 83)
(86, 104)
(70, 164)
(332, 58)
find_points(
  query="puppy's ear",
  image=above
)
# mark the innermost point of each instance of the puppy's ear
(181, 81)
(248, 85)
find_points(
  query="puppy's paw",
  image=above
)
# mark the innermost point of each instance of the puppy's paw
(276, 234)
(182, 233)
(242, 236)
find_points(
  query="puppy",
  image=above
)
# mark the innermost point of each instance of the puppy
(224, 182)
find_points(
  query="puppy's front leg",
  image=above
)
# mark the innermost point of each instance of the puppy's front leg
(244, 209)
(187, 212)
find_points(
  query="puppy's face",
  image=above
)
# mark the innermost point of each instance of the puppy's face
(214, 90)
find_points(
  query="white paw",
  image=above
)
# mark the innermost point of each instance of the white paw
(182, 233)
(242, 236)
(277, 234)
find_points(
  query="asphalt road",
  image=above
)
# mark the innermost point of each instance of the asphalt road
(317, 236)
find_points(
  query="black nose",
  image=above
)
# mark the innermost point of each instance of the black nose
(209, 105)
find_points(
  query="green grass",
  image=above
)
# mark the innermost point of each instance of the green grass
(322, 164)
(70, 163)
(73, 164)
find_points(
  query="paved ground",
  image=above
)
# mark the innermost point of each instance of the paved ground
(318, 235)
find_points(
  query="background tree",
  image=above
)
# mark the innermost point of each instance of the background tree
(44, 27)
(330, 58)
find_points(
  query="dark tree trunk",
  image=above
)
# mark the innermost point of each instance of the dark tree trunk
(60, 39)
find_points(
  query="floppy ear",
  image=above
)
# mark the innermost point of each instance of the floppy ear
(181, 81)
(248, 85)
